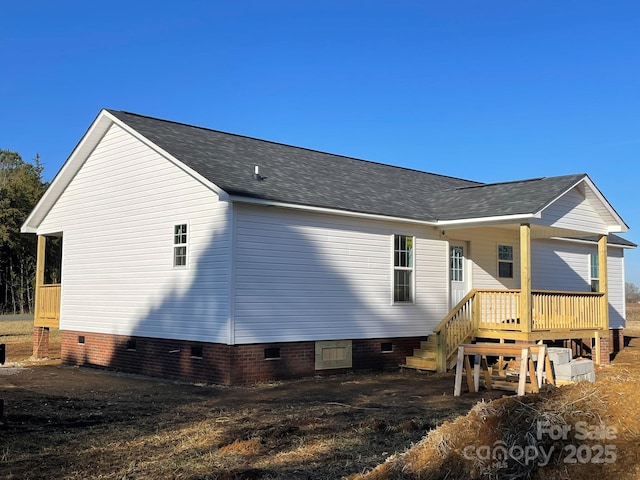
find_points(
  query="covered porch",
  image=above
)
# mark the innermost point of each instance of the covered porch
(47, 293)
(522, 314)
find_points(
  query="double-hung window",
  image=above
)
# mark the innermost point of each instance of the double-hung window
(505, 261)
(594, 272)
(180, 245)
(402, 268)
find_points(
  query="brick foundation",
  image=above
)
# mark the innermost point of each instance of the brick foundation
(40, 342)
(199, 362)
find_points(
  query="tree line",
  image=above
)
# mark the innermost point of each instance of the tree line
(21, 187)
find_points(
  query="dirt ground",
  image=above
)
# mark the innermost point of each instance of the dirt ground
(72, 423)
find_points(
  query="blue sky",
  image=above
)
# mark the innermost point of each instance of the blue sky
(486, 90)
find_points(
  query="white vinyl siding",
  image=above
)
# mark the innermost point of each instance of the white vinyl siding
(303, 276)
(564, 265)
(573, 211)
(117, 217)
(483, 253)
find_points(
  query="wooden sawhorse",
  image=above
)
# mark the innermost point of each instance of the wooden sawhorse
(480, 351)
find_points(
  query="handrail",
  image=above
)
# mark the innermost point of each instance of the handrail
(454, 310)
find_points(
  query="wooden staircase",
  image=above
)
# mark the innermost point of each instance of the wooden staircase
(424, 358)
(496, 314)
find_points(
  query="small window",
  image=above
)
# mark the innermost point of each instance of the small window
(272, 353)
(196, 352)
(505, 261)
(81, 339)
(402, 269)
(594, 272)
(131, 344)
(386, 347)
(180, 245)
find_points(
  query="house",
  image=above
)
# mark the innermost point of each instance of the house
(204, 256)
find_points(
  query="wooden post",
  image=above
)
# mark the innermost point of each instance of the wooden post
(604, 284)
(40, 333)
(525, 277)
(441, 350)
(457, 389)
(40, 254)
(604, 289)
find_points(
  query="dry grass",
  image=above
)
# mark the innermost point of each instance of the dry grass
(17, 335)
(633, 316)
(606, 409)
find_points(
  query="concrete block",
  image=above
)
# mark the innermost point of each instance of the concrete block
(578, 370)
(559, 355)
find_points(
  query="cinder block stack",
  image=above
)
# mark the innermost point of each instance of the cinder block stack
(567, 369)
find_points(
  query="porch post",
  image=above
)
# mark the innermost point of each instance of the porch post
(525, 277)
(603, 278)
(40, 253)
(40, 333)
(604, 282)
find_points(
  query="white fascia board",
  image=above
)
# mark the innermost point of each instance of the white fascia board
(620, 226)
(331, 211)
(207, 183)
(67, 172)
(483, 221)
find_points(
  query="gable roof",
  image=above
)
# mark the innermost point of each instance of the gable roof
(303, 177)
(296, 175)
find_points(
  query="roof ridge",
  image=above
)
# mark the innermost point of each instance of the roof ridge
(526, 180)
(272, 142)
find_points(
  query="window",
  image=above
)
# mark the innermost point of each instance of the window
(594, 272)
(386, 347)
(505, 261)
(402, 268)
(196, 351)
(131, 344)
(180, 245)
(456, 263)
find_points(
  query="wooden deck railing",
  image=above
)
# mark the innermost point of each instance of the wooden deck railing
(47, 306)
(552, 311)
(455, 329)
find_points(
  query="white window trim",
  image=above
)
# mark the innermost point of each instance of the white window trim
(394, 268)
(499, 261)
(174, 245)
(592, 278)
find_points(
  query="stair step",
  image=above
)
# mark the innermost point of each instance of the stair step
(429, 345)
(426, 354)
(421, 363)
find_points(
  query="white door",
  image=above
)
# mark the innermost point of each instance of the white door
(458, 271)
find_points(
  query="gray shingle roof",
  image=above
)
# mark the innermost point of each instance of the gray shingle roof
(500, 199)
(308, 177)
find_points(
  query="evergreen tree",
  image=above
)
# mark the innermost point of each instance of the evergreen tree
(21, 187)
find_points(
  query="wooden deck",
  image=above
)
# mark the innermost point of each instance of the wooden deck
(496, 314)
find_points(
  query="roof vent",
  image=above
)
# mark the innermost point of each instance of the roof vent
(256, 173)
